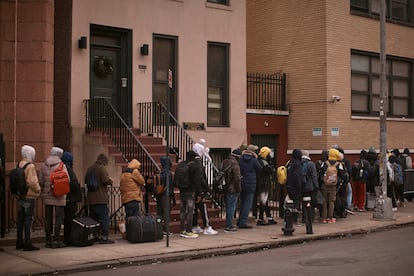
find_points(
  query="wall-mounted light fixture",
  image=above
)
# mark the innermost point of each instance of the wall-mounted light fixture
(144, 50)
(83, 42)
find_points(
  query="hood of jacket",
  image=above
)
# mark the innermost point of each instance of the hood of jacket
(67, 158)
(134, 164)
(264, 152)
(334, 154)
(297, 154)
(165, 162)
(28, 153)
(102, 159)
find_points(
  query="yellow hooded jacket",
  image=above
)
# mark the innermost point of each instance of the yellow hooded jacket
(131, 183)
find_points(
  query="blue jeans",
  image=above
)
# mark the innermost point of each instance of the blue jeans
(24, 219)
(246, 200)
(186, 211)
(231, 203)
(132, 208)
(100, 213)
(349, 196)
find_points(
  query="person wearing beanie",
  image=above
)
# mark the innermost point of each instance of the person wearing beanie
(98, 200)
(26, 203)
(231, 168)
(200, 205)
(264, 178)
(72, 198)
(249, 168)
(360, 171)
(54, 206)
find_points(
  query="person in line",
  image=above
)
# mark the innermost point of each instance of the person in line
(249, 168)
(360, 171)
(264, 180)
(309, 185)
(98, 200)
(54, 206)
(201, 205)
(164, 199)
(188, 196)
(131, 185)
(72, 198)
(294, 181)
(232, 189)
(330, 191)
(26, 203)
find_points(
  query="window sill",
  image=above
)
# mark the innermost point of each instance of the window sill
(388, 119)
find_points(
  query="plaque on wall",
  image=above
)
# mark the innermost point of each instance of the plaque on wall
(193, 126)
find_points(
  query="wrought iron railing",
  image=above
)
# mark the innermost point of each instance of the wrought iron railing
(266, 91)
(101, 116)
(152, 121)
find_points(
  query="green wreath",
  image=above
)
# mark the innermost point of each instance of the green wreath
(102, 67)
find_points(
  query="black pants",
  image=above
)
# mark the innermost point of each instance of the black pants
(59, 213)
(203, 211)
(70, 212)
(163, 208)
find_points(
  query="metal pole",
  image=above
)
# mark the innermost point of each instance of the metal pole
(167, 138)
(383, 209)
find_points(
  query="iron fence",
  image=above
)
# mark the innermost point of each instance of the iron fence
(266, 91)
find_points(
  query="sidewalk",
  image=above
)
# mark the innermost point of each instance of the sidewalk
(122, 253)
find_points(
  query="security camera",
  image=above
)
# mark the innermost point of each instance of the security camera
(336, 98)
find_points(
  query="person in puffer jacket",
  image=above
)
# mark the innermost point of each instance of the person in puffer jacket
(26, 203)
(249, 168)
(99, 199)
(131, 184)
(54, 206)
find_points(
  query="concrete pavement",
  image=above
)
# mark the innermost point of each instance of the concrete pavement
(48, 261)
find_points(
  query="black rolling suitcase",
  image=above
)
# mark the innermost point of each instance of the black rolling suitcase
(147, 228)
(85, 231)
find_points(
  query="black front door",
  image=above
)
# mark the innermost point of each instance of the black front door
(110, 68)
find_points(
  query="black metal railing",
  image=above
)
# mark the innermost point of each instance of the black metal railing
(101, 116)
(266, 91)
(152, 121)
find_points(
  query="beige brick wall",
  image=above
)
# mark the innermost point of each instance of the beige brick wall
(311, 42)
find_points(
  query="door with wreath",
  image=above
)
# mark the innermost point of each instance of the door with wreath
(110, 71)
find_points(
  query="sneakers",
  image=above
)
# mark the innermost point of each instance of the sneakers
(261, 222)
(190, 235)
(395, 209)
(230, 229)
(197, 230)
(331, 220)
(209, 231)
(323, 220)
(271, 221)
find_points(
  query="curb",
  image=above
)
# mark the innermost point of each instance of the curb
(217, 251)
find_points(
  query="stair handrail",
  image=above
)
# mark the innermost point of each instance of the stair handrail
(102, 116)
(152, 121)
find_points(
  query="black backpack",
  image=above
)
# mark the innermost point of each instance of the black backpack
(182, 175)
(18, 184)
(91, 181)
